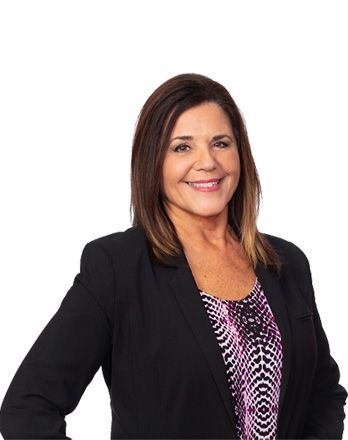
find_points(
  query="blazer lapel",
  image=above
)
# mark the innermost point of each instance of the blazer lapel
(184, 287)
(187, 294)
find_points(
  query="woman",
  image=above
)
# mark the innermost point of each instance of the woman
(204, 326)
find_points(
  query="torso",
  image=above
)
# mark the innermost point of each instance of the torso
(228, 276)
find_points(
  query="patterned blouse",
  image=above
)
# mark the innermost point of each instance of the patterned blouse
(250, 344)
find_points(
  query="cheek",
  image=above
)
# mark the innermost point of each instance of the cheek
(232, 165)
(166, 171)
(174, 171)
(168, 176)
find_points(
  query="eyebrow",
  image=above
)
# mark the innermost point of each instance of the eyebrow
(189, 138)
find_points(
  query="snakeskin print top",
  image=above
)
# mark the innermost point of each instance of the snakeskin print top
(250, 344)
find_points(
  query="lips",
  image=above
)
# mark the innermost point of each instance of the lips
(204, 181)
(211, 186)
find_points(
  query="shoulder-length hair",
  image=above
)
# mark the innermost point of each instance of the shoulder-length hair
(153, 129)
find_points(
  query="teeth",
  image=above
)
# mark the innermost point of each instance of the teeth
(204, 185)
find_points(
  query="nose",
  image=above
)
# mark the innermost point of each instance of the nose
(204, 159)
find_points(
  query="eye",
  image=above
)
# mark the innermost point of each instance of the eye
(223, 143)
(177, 148)
(181, 145)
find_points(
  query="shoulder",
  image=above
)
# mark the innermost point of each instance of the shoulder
(101, 257)
(286, 247)
(294, 258)
(120, 243)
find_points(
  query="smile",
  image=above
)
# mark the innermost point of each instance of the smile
(205, 187)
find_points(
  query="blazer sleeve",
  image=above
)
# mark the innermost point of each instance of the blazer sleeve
(65, 357)
(325, 412)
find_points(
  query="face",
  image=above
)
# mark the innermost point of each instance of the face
(204, 155)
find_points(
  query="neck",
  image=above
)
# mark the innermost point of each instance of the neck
(205, 232)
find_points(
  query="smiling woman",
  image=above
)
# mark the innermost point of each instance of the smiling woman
(204, 326)
(190, 130)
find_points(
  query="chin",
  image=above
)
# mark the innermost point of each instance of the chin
(207, 212)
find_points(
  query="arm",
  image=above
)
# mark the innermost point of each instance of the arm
(325, 413)
(65, 357)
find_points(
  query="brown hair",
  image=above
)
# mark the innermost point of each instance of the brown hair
(155, 123)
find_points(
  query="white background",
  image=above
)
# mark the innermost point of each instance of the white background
(73, 78)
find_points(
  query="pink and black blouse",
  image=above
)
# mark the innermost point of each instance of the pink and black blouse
(250, 344)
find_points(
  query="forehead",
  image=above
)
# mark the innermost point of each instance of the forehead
(202, 118)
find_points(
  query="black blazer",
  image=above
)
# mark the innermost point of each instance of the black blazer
(147, 326)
